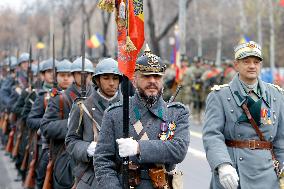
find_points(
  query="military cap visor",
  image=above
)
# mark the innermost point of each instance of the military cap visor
(151, 73)
(248, 49)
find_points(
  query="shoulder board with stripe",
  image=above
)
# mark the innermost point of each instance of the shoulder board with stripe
(175, 105)
(277, 87)
(219, 87)
(115, 105)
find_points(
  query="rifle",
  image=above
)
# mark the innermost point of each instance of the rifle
(49, 170)
(30, 178)
(5, 122)
(29, 71)
(53, 65)
(10, 143)
(38, 79)
(176, 93)
(24, 164)
(83, 73)
(15, 151)
(10, 63)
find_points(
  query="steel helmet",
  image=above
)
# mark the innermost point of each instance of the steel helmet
(13, 60)
(64, 66)
(77, 65)
(47, 65)
(24, 57)
(107, 66)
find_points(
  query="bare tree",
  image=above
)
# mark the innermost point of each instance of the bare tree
(87, 18)
(156, 38)
(67, 16)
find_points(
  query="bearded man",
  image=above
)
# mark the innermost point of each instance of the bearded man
(158, 131)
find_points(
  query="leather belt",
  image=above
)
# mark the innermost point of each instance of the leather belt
(251, 144)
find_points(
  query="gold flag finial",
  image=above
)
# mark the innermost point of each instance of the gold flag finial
(107, 5)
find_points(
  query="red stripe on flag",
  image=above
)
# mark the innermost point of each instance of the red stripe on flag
(127, 60)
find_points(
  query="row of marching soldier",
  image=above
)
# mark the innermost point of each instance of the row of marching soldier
(67, 131)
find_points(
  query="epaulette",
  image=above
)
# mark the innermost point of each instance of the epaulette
(176, 105)
(219, 87)
(41, 92)
(277, 87)
(79, 99)
(54, 92)
(115, 105)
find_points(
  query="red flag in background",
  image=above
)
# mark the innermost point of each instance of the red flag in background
(281, 3)
(130, 26)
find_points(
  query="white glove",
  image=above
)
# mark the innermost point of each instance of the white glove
(127, 147)
(91, 149)
(228, 176)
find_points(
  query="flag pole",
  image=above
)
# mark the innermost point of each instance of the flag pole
(125, 107)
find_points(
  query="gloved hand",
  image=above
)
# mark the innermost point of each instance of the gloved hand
(91, 149)
(228, 176)
(127, 147)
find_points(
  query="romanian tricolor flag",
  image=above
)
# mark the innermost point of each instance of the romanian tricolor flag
(175, 59)
(95, 41)
(130, 27)
(175, 56)
(244, 39)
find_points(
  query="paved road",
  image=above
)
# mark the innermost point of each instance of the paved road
(196, 170)
(8, 173)
(195, 167)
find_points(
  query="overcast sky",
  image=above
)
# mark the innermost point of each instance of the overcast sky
(15, 4)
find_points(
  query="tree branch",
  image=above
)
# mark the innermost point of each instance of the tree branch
(171, 24)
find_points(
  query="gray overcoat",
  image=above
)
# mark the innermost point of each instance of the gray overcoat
(224, 120)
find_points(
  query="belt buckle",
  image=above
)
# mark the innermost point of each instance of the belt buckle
(252, 144)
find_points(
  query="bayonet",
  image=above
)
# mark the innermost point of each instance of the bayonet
(83, 72)
(29, 71)
(53, 63)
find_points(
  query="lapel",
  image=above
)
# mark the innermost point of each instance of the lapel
(264, 92)
(237, 91)
(240, 95)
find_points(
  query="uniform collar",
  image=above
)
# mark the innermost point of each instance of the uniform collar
(138, 109)
(240, 94)
(101, 102)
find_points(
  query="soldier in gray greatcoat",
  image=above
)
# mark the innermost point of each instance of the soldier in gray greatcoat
(86, 118)
(54, 121)
(35, 115)
(158, 131)
(239, 155)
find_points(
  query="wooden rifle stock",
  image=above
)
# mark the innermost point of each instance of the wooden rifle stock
(5, 123)
(18, 140)
(24, 164)
(10, 143)
(30, 179)
(48, 176)
(1, 120)
(49, 170)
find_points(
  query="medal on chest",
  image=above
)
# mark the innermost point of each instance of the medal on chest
(266, 116)
(167, 131)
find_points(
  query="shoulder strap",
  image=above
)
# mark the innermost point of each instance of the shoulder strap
(61, 105)
(96, 126)
(252, 122)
